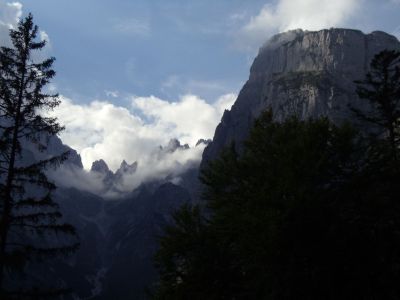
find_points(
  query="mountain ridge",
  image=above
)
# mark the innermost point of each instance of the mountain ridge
(303, 73)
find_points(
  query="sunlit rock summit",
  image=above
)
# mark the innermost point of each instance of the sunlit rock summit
(303, 73)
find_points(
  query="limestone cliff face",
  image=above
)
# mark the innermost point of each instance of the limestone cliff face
(303, 73)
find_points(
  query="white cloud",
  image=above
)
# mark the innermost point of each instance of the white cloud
(238, 16)
(132, 27)
(224, 102)
(112, 94)
(206, 89)
(101, 130)
(10, 14)
(188, 119)
(45, 37)
(71, 176)
(293, 14)
(158, 164)
(192, 85)
(52, 87)
(171, 82)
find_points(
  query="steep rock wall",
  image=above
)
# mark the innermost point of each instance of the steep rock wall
(303, 73)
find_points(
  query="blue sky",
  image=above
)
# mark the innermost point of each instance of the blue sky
(165, 48)
(133, 74)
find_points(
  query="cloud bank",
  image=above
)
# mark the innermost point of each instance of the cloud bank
(102, 130)
(10, 13)
(160, 164)
(294, 14)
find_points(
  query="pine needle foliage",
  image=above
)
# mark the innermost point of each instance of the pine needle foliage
(31, 227)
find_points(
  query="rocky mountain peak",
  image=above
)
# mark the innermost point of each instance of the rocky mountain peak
(203, 142)
(99, 166)
(173, 145)
(123, 164)
(302, 73)
(346, 51)
(126, 168)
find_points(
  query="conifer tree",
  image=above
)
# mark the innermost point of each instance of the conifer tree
(30, 221)
(240, 245)
(381, 88)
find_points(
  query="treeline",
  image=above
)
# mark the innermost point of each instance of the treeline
(309, 210)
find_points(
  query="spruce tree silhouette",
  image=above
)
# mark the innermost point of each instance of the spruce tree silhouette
(381, 88)
(30, 221)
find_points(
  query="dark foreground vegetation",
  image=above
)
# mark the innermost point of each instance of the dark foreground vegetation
(31, 227)
(309, 210)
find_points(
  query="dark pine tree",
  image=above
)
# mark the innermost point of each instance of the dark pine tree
(381, 88)
(309, 210)
(300, 214)
(244, 246)
(30, 221)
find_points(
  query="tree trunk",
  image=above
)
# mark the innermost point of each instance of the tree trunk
(6, 217)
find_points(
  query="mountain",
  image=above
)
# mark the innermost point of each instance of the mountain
(100, 166)
(174, 145)
(302, 73)
(118, 240)
(111, 180)
(118, 235)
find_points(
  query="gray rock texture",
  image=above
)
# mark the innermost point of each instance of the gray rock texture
(302, 73)
(99, 166)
